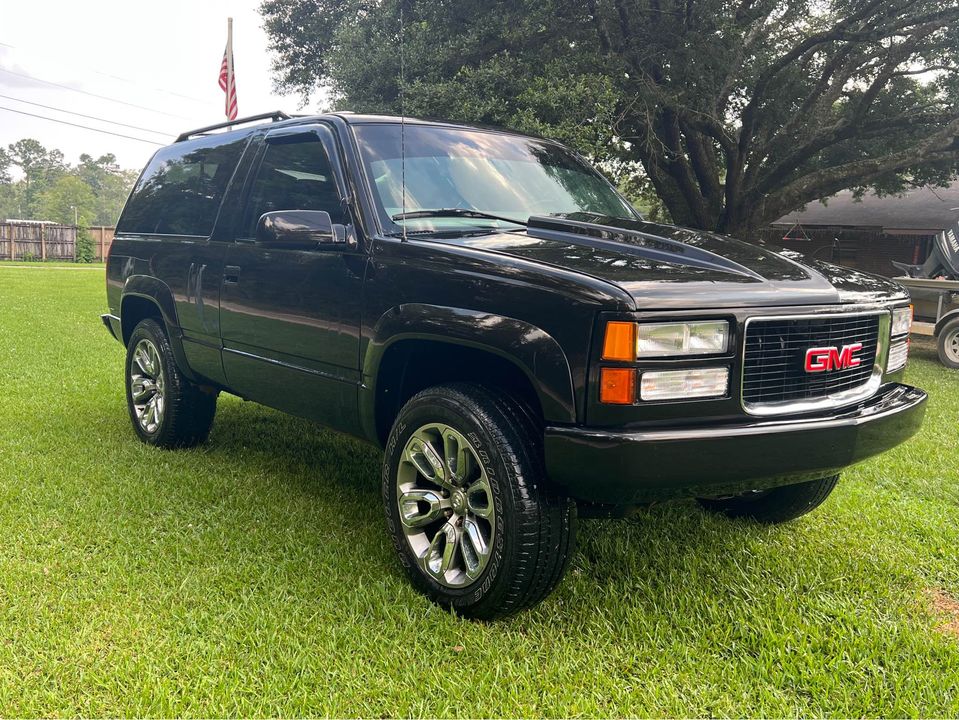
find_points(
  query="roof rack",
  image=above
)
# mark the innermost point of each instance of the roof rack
(275, 116)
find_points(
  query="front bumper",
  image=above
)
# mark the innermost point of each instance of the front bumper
(623, 468)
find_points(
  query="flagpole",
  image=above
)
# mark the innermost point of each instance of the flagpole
(229, 64)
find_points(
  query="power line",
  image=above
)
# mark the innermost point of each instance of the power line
(127, 80)
(84, 127)
(192, 99)
(88, 117)
(84, 92)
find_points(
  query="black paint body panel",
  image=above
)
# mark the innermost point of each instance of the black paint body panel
(306, 330)
(290, 330)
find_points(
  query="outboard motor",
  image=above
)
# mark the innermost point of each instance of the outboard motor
(943, 261)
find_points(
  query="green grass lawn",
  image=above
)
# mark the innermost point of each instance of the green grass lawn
(47, 264)
(254, 576)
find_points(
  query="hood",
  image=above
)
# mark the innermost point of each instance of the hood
(663, 266)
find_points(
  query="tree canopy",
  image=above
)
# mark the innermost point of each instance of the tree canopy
(48, 188)
(67, 200)
(737, 111)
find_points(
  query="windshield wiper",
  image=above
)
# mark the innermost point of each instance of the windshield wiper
(454, 212)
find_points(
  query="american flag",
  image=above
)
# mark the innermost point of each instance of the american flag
(228, 78)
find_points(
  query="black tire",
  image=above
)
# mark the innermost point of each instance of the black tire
(777, 505)
(533, 532)
(948, 344)
(187, 411)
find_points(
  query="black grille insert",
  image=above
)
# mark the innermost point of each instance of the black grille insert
(774, 364)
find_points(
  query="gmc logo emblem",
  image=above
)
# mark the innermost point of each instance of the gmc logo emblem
(833, 358)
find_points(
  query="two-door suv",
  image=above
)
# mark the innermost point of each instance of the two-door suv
(486, 308)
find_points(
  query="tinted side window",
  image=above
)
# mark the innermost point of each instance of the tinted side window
(181, 189)
(293, 176)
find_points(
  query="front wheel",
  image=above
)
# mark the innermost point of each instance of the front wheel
(467, 504)
(948, 344)
(777, 505)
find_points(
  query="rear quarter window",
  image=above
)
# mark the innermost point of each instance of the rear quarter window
(180, 191)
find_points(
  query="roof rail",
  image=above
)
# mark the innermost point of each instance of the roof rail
(275, 116)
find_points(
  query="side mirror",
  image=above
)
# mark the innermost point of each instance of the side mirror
(297, 229)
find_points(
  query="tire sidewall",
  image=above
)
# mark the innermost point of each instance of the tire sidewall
(150, 330)
(496, 576)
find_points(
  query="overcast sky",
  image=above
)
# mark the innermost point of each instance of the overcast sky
(160, 58)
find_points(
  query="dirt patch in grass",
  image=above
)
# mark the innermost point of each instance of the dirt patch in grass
(946, 608)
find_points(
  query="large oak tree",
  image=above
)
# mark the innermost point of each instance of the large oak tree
(738, 111)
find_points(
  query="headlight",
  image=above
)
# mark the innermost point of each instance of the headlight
(681, 339)
(901, 321)
(684, 384)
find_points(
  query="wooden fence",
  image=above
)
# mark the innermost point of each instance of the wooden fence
(102, 240)
(46, 241)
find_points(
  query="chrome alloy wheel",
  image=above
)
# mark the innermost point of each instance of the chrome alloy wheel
(446, 505)
(147, 386)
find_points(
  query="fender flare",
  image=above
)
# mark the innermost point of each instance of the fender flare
(155, 290)
(532, 350)
(159, 293)
(941, 322)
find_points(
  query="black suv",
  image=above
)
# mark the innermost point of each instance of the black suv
(486, 308)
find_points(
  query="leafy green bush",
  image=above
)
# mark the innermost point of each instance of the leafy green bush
(84, 244)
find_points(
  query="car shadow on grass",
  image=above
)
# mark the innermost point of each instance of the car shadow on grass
(305, 454)
(638, 559)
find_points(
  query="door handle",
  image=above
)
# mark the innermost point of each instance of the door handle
(231, 274)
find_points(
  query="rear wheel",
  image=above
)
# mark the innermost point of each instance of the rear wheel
(948, 344)
(166, 409)
(776, 505)
(467, 503)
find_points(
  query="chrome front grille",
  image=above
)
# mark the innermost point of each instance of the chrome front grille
(774, 374)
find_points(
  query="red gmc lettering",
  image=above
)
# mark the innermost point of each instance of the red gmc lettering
(833, 358)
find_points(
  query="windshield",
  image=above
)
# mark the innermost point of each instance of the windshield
(489, 172)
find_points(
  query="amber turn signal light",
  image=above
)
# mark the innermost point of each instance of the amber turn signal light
(617, 386)
(620, 341)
